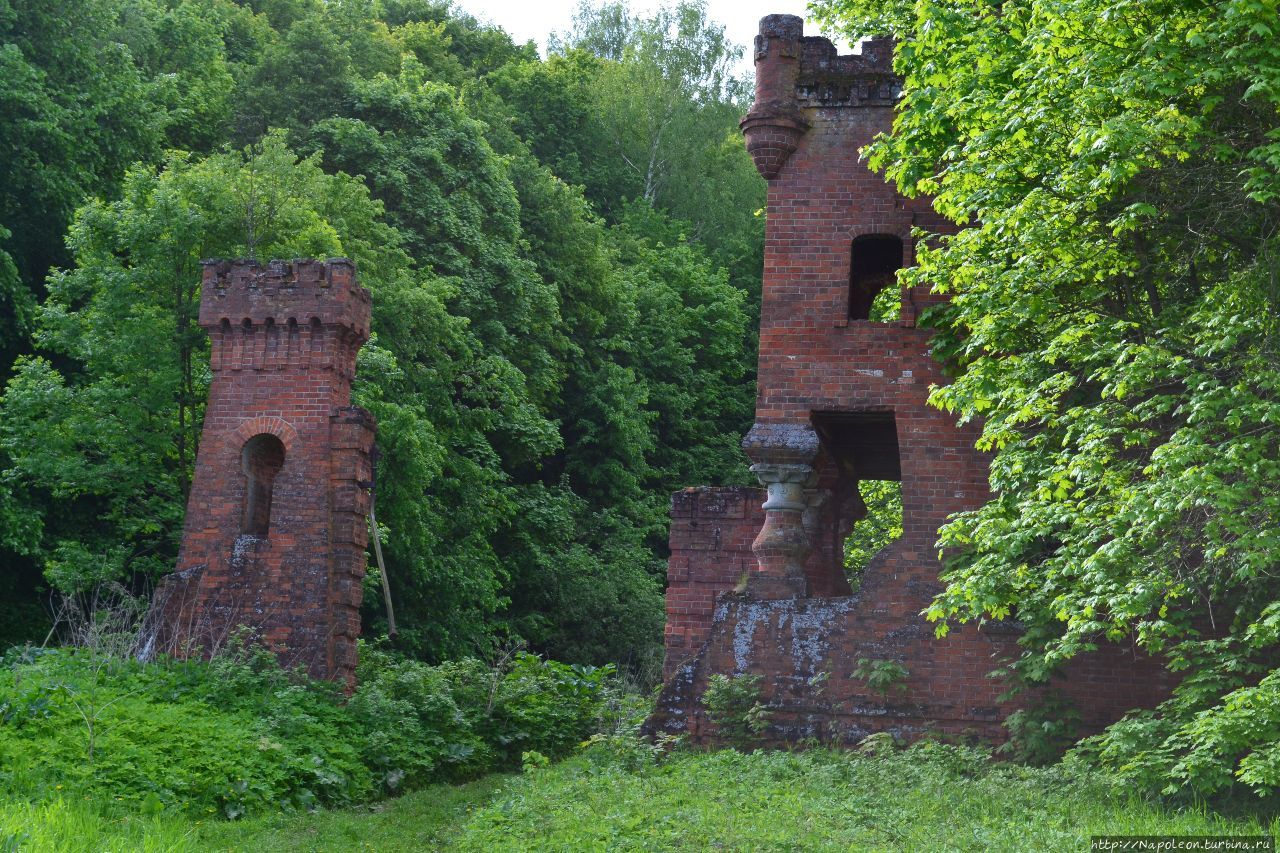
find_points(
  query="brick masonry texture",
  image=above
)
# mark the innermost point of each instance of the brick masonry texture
(862, 387)
(279, 429)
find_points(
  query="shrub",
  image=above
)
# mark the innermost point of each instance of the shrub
(546, 706)
(733, 704)
(239, 735)
(1040, 733)
(458, 719)
(1198, 743)
(169, 734)
(415, 729)
(881, 675)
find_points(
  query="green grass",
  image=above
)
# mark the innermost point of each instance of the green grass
(935, 798)
(818, 801)
(71, 825)
(425, 820)
(429, 819)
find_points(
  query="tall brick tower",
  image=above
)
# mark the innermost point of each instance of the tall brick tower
(275, 529)
(842, 398)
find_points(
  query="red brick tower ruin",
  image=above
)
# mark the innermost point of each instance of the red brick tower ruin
(762, 590)
(275, 529)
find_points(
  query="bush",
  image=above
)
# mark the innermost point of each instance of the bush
(546, 706)
(1040, 733)
(416, 721)
(239, 735)
(733, 704)
(1200, 743)
(424, 723)
(201, 738)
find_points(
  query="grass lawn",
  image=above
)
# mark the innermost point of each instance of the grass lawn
(924, 799)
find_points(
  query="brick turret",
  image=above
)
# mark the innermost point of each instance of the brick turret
(275, 531)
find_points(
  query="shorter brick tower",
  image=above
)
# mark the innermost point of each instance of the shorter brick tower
(275, 532)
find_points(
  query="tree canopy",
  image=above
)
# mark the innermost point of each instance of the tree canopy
(555, 348)
(562, 321)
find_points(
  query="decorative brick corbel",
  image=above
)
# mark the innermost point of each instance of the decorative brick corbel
(773, 133)
(774, 126)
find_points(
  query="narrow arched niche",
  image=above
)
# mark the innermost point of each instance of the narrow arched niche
(261, 459)
(874, 261)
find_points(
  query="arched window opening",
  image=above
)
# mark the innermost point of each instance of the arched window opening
(262, 458)
(874, 260)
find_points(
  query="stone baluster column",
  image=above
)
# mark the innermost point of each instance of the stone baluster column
(783, 455)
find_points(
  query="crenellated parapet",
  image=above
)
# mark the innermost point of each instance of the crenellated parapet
(828, 79)
(279, 291)
(283, 315)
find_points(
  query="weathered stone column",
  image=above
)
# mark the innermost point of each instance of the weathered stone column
(783, 456)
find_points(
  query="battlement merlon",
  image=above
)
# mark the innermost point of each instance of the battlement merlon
(301, 290)
(796, 74)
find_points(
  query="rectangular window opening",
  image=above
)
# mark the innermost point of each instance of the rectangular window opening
(864, 446)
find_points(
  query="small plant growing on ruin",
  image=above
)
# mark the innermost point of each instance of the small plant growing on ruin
(733, 704)
(877, 745)
(881, 675)
(817, 684)
(1040, 733)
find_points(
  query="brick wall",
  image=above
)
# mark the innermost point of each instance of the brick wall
(711, 532)
(862, 388)
(284, 343)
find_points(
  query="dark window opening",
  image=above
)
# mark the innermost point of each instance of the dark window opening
(874, 261)
(864, 445)
(262, 458)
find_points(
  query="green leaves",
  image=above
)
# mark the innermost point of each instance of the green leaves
(880, 526)
(103, 448)
(1113, 325)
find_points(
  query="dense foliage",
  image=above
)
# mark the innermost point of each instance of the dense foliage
(559, 342)
(237, 735)
(562, 335)
(1114, 324)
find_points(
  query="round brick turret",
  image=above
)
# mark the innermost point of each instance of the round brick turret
(773, 126)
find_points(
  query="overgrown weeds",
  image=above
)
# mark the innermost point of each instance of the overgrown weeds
(238, 735)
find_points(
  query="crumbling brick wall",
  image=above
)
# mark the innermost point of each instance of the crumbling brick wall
(842, 398)
(275, 532)
(711, 533)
